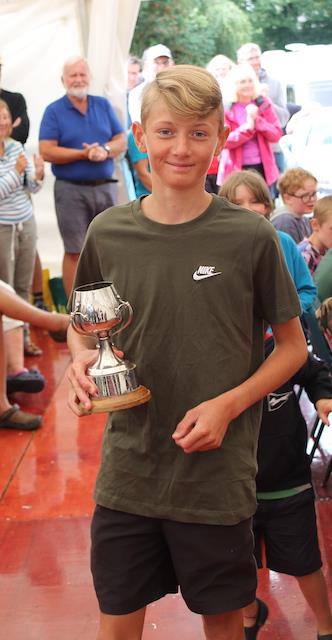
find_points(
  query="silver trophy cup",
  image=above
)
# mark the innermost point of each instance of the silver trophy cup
(97, 310)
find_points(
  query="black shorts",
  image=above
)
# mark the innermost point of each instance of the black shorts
(136, 560)
(288, 528)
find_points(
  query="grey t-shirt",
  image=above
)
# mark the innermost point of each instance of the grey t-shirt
(200, 292)
(296, 227)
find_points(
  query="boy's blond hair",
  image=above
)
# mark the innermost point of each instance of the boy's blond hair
(253, 181)
(293, 179)
(187, 90)
(323, 209)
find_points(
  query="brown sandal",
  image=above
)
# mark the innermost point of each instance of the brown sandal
(14, 418)
(31, 349)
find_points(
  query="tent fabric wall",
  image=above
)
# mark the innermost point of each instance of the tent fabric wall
(37, 36)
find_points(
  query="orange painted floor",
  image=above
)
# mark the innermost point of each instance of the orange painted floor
(46, 481)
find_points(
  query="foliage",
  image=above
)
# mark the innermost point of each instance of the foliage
(281, 22)
(196, 30)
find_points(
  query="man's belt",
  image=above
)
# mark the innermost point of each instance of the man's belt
(90, 183)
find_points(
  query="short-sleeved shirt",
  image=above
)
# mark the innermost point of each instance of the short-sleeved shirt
(323, 277)
(71, 128)
(135, 155)
(200, 293)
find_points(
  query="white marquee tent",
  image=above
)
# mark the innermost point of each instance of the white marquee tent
(36, 37)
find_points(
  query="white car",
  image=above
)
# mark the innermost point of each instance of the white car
(310, 146)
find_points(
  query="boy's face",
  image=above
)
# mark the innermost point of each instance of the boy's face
(180, 149)
(323, 231)
(303, 199)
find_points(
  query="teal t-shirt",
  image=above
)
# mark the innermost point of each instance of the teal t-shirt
(135, 155)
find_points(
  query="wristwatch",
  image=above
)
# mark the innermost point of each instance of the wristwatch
(107, 148)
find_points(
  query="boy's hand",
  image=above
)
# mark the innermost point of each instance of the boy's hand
(82, 387)
(323, 408)
(203, 427)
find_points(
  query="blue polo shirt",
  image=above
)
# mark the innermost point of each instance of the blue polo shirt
(71, 128)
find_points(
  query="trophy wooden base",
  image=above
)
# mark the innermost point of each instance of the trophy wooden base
(118, 403)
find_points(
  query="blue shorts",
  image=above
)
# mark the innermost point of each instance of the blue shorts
(136, 560)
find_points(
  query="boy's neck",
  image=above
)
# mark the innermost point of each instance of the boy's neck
(174, 207)
(315, 241)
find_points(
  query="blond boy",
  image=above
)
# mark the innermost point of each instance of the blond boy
(319, 241)
(176, 489)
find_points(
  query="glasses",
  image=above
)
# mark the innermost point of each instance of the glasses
(305, 197)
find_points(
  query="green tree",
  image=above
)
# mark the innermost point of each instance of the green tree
(195, 30)
(275, 24)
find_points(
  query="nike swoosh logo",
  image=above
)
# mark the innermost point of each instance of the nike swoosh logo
(202, 276)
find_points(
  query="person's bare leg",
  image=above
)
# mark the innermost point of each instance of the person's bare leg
(15, 307)
(14, 347)
(225, 626)
(4, 402)
(37, 281)
(126, 627)
(69, 266)
(250, 614)
(313, 587)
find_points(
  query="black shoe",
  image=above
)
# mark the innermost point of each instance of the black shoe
(250, 633)
(31, 381)
(328, 636)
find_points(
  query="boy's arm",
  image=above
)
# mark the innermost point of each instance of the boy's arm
(204, 427)
(316, 379)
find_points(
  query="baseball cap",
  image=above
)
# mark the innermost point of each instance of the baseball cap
(156, 51)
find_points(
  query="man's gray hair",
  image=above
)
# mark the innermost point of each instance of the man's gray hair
(246, 48)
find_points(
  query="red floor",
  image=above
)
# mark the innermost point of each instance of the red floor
(46, 481)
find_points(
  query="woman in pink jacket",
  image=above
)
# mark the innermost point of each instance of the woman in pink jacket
(253, 124)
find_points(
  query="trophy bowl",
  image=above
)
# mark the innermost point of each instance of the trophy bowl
(99, 311)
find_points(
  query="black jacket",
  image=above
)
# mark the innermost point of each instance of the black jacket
(282, 459)
(18, 109)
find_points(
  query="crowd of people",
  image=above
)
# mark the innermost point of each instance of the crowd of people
(216, 212)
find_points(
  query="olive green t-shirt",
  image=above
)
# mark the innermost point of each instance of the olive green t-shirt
(200, 292)
(323, 277)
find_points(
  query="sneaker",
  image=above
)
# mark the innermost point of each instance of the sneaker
(14, 418)
(30, 381)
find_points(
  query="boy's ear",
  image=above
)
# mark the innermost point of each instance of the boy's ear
(223, 135)
(139, 136)
(315, 226)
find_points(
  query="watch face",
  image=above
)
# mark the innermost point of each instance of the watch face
(107, 147)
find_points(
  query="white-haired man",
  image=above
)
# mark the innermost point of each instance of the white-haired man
(80, 134)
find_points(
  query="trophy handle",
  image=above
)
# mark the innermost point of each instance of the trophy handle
(76, 324)
(129, 310)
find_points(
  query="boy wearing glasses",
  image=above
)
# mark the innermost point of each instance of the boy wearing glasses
(298, 189)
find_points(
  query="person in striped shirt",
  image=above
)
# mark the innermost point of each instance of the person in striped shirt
(18, 178)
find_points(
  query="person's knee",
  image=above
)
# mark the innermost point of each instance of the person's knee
(225, 626)
(121, 627)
